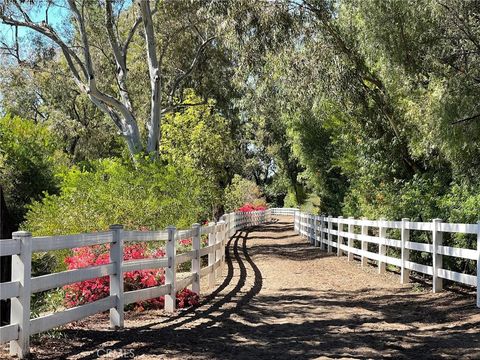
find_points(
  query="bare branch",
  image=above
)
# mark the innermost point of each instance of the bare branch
(49, 32)
(130, 35)
(192, 66)
(468, 119)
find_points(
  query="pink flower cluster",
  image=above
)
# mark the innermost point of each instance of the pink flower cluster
(250, 207)
(91, 290)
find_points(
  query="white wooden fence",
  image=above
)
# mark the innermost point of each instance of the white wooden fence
(329, 232)
(22, 285)
(283, 211)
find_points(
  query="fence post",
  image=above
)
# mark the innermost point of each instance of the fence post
(170, 271)
(478, 264)
(223, 249)
(404, 272)
(315, 230)
(350, 238)
(364, 245)
(196, 259)
(20, 306)
(219, 239)
(339, 237)
(312, 228)
(116, 279)
(437, 240)
(329, 236)
(211, 256)
(382, 247)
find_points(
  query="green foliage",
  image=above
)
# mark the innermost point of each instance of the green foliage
(199, 137)
(29, 157)
(290, 200)
(111, 192)
(242, 191)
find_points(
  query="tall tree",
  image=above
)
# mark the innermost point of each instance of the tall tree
(80, 47)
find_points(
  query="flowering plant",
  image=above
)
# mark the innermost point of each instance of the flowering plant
(251, 207)
(91, 290)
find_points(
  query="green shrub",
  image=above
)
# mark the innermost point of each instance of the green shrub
(29, 155)
(242, 191)
(111, 192)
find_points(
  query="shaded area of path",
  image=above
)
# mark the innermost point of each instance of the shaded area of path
(281, 298)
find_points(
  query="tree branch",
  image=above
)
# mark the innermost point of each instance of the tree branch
(465, 119)
(194, 63)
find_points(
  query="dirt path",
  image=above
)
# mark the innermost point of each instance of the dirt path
(281, 299)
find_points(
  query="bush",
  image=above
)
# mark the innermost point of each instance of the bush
(91, 290)
(28, 157)
(111, 192)
(242, 191)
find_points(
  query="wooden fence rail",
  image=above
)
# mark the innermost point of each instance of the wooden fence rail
(23, 285)
(329, 232)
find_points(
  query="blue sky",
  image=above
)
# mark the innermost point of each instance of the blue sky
(56, 15)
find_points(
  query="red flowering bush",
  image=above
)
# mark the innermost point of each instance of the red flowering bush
(251, 207)
(91, 290)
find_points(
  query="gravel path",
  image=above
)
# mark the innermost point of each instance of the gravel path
(281, 298)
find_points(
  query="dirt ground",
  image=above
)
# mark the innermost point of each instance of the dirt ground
(281, 298)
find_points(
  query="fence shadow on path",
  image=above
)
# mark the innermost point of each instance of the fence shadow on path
(238, 321)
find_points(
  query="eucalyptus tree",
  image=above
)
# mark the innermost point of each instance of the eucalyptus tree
(95, 32)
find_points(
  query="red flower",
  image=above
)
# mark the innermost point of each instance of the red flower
(91, 290)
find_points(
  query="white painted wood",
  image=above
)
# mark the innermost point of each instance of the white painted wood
(423, 226)
(394, 261)
(313, 241)
(208, 249)
(9, 247)
(393, 243)
(20, 306)
(405, 253)
(329, 234)
(170, 271)
(207, 270)
(390, 224)
(350, 239)
(339, 238)
(116, 279)
(184, 282)
(183, 258)
(364, 245)
(437, 237)
(459, 228)
(224, 243)
(9, 290)
(144, 264)
(49, 243)
(196, 259)
(458, 277)
(382, 248)
(51, 321)
(211, 258)
(419, 246)
(208, 229)
(457, 252)
(8, 333)
(425, 269)
(478, 264)
(219, 246)
(145, 236)
(184, 234)
(55, 280)
(146, 294)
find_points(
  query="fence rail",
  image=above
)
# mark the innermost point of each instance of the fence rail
(23, 285)
(329, 232)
